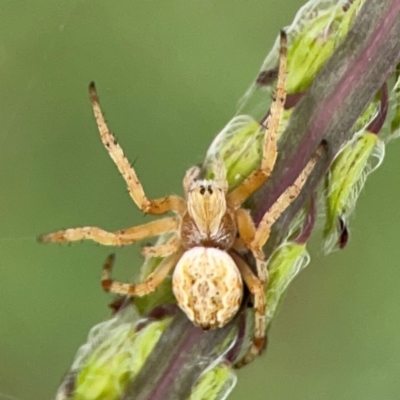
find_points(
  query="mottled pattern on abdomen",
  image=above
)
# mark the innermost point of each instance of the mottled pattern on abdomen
(208, 286)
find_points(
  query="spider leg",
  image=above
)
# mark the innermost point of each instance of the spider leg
(247, 231)
(256, 179)
(282, 203)
(162, 250)
(135, 188)
(141, 289)
(258, 285)
(245, 224)
(117, 238)
(239, 244)
(256, 288)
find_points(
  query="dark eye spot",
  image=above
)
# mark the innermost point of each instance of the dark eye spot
(202, 189)
(209, 190)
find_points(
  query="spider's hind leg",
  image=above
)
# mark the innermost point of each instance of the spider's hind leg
(141, 289)
(256, 288)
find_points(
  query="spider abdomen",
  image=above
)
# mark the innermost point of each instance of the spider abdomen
(208, 286)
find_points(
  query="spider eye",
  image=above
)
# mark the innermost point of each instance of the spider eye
(209, 190)
(202, 189)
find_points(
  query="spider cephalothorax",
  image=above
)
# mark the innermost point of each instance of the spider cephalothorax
(208, 231)
(207, 221)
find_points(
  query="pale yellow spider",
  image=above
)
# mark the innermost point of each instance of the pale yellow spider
(208, 230)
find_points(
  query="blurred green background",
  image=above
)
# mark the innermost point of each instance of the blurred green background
(169, 73)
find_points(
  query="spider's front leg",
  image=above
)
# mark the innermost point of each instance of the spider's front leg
(258, 177)
(117, 238)
(141, 289)
(135, 188)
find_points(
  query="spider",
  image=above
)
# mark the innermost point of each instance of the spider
(209, 229)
